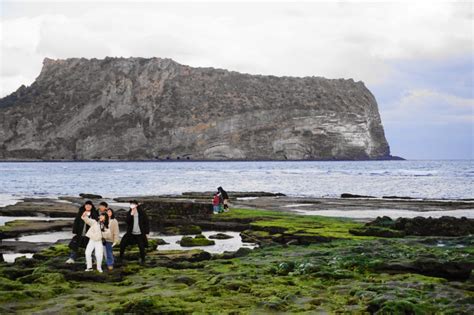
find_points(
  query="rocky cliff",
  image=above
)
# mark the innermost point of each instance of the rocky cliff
(137, 108)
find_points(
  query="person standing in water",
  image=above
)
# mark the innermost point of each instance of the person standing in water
(79, 229)
(138, 228)
(225, 198)
(111, 239)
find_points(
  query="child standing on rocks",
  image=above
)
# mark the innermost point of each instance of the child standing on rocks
(97, 233)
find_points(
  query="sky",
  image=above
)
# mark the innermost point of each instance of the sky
(416, 57)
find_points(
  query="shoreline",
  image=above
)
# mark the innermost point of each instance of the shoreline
(186, 159)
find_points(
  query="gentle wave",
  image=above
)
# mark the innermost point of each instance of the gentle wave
(418, 179)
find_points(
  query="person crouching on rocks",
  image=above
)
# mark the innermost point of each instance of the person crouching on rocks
(225, 198)
(97, 233)
(79, 229)
(137, 229)
(111, 239)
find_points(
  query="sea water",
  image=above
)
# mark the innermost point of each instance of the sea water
(450, 179)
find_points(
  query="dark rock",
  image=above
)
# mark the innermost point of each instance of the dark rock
(398, 197)
(22, 247)
(419, 226)
(194, 255)
(186, 109)
(160, 241)
(382, 222)
(90, 196)
(451, 270)
(220, 236)
(33, 207)
(177, 213)
(184, 279)
(184, 230)
(376, 231)
(198, 240)
(444, 226)
(21, 227)
(241, 252)
(232, 194)
(347, 195)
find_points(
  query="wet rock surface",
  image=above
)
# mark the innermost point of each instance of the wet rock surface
(24, 227)
(40, 206)
(419, 226)
(306, 264)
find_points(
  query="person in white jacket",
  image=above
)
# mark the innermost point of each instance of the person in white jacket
(98, 230)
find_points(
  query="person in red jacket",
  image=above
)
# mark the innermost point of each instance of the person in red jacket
(216, 203)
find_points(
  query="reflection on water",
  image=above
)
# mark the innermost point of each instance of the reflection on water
(228, 245)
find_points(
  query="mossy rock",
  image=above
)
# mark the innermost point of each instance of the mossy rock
(160, 241)
(376, 231)
(184, 279)
(383, 306)
(220, 236)
(53, 251)
(198, 240)
(274, 304)
(154, 305)
(10, 285)
(182, 230)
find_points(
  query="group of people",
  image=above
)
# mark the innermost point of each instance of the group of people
(97, 230)
(220, 201)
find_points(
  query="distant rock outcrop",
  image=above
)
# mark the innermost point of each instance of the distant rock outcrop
(143, 109)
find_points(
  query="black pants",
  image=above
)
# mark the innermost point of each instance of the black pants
(76, 242)
(132, 239)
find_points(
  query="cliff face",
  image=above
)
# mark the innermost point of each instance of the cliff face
(136, 108)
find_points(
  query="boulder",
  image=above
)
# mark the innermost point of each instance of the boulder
(450, 270)
(198, 240)
(90, 196)
(347, 195)
(220, 236)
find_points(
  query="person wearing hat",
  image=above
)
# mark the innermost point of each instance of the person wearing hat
(79, 229)
(137, 229)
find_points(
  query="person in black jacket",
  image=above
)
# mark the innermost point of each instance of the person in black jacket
(137, 229)
(225, 198)
(79, 229)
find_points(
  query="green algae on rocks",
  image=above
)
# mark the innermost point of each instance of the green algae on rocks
(342, 273)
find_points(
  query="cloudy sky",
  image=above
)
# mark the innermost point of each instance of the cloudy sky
(416, 57)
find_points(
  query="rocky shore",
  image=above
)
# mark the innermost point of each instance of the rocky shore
(303, 263)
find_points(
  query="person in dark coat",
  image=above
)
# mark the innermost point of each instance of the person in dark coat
(79, 229)
(225, 198)
(138, 227)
